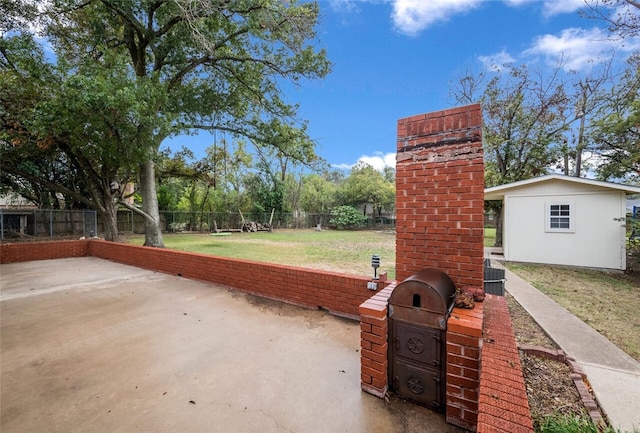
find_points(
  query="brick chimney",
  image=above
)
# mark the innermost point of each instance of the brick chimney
(440, 194)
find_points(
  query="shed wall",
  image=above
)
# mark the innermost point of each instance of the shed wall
(597, 240)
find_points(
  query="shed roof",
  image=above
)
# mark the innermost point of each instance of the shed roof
(498, 192)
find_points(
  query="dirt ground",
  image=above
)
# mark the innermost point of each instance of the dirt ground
(550, 389)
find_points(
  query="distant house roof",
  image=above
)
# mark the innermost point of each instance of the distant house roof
(498, 192)
(13, 200)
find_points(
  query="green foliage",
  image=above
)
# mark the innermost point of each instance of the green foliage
(366, 185)
(521, 124)
(347, 217)
(524, 122)
(559, 424)
(136, 72)
(633, 244)
(318, 193)
(617, 129)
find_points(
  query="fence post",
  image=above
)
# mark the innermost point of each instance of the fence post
(51, 224)
(1, 226)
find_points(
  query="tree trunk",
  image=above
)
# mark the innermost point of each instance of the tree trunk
(152, 229)
(110, 217)
(498, 213)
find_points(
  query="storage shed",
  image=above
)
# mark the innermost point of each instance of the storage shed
(564, 220)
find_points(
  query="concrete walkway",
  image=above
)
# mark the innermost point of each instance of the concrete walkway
(614, 376)
(88, 345)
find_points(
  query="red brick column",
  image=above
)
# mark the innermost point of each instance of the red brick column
(440, 194)
(374, 333)
(464, 345)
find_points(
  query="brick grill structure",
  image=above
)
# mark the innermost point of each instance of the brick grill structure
(440, 219)
(440, 224)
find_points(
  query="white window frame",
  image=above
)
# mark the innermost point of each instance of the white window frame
(564, 211)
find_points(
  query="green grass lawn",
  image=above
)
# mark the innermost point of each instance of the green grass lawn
(332, 250)
(489, 237)
(608, 302)
(341, 251)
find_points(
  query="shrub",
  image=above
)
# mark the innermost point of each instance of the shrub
(633, 243)
(347, 217)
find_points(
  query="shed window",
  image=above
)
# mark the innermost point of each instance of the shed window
(560, 217)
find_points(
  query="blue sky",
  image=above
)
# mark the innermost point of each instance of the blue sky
(397, 58)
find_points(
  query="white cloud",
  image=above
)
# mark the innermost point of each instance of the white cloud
(413, 16)
(378, 161)
(344, 5)
(555, 7)
(579, 48)
(517, 3)
(550, 7)
(496, 62)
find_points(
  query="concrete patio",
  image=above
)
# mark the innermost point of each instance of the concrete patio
(90, 345)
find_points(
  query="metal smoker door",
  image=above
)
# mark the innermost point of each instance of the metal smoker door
(416, 364)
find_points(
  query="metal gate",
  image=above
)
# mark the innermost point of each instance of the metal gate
(90, 223)
(418, 312)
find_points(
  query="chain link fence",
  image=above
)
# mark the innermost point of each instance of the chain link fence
(17, 223)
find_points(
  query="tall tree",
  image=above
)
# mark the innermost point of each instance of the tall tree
(318, 193)
(586, 95)
(617, 129)
(623, 16)
(367, 186)
(70, 132)
(523, 125)
(211, 65)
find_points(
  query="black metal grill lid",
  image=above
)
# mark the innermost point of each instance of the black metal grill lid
(429, 290)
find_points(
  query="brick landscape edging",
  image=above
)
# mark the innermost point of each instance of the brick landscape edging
(577, 375)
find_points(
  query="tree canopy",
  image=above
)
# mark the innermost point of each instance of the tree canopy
(165, 68)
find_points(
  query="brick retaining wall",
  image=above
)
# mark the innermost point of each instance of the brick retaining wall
(340, 294)
(503, 405)
(29, 251)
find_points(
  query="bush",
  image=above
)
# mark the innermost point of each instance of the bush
(347, 217)
(633, 244)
